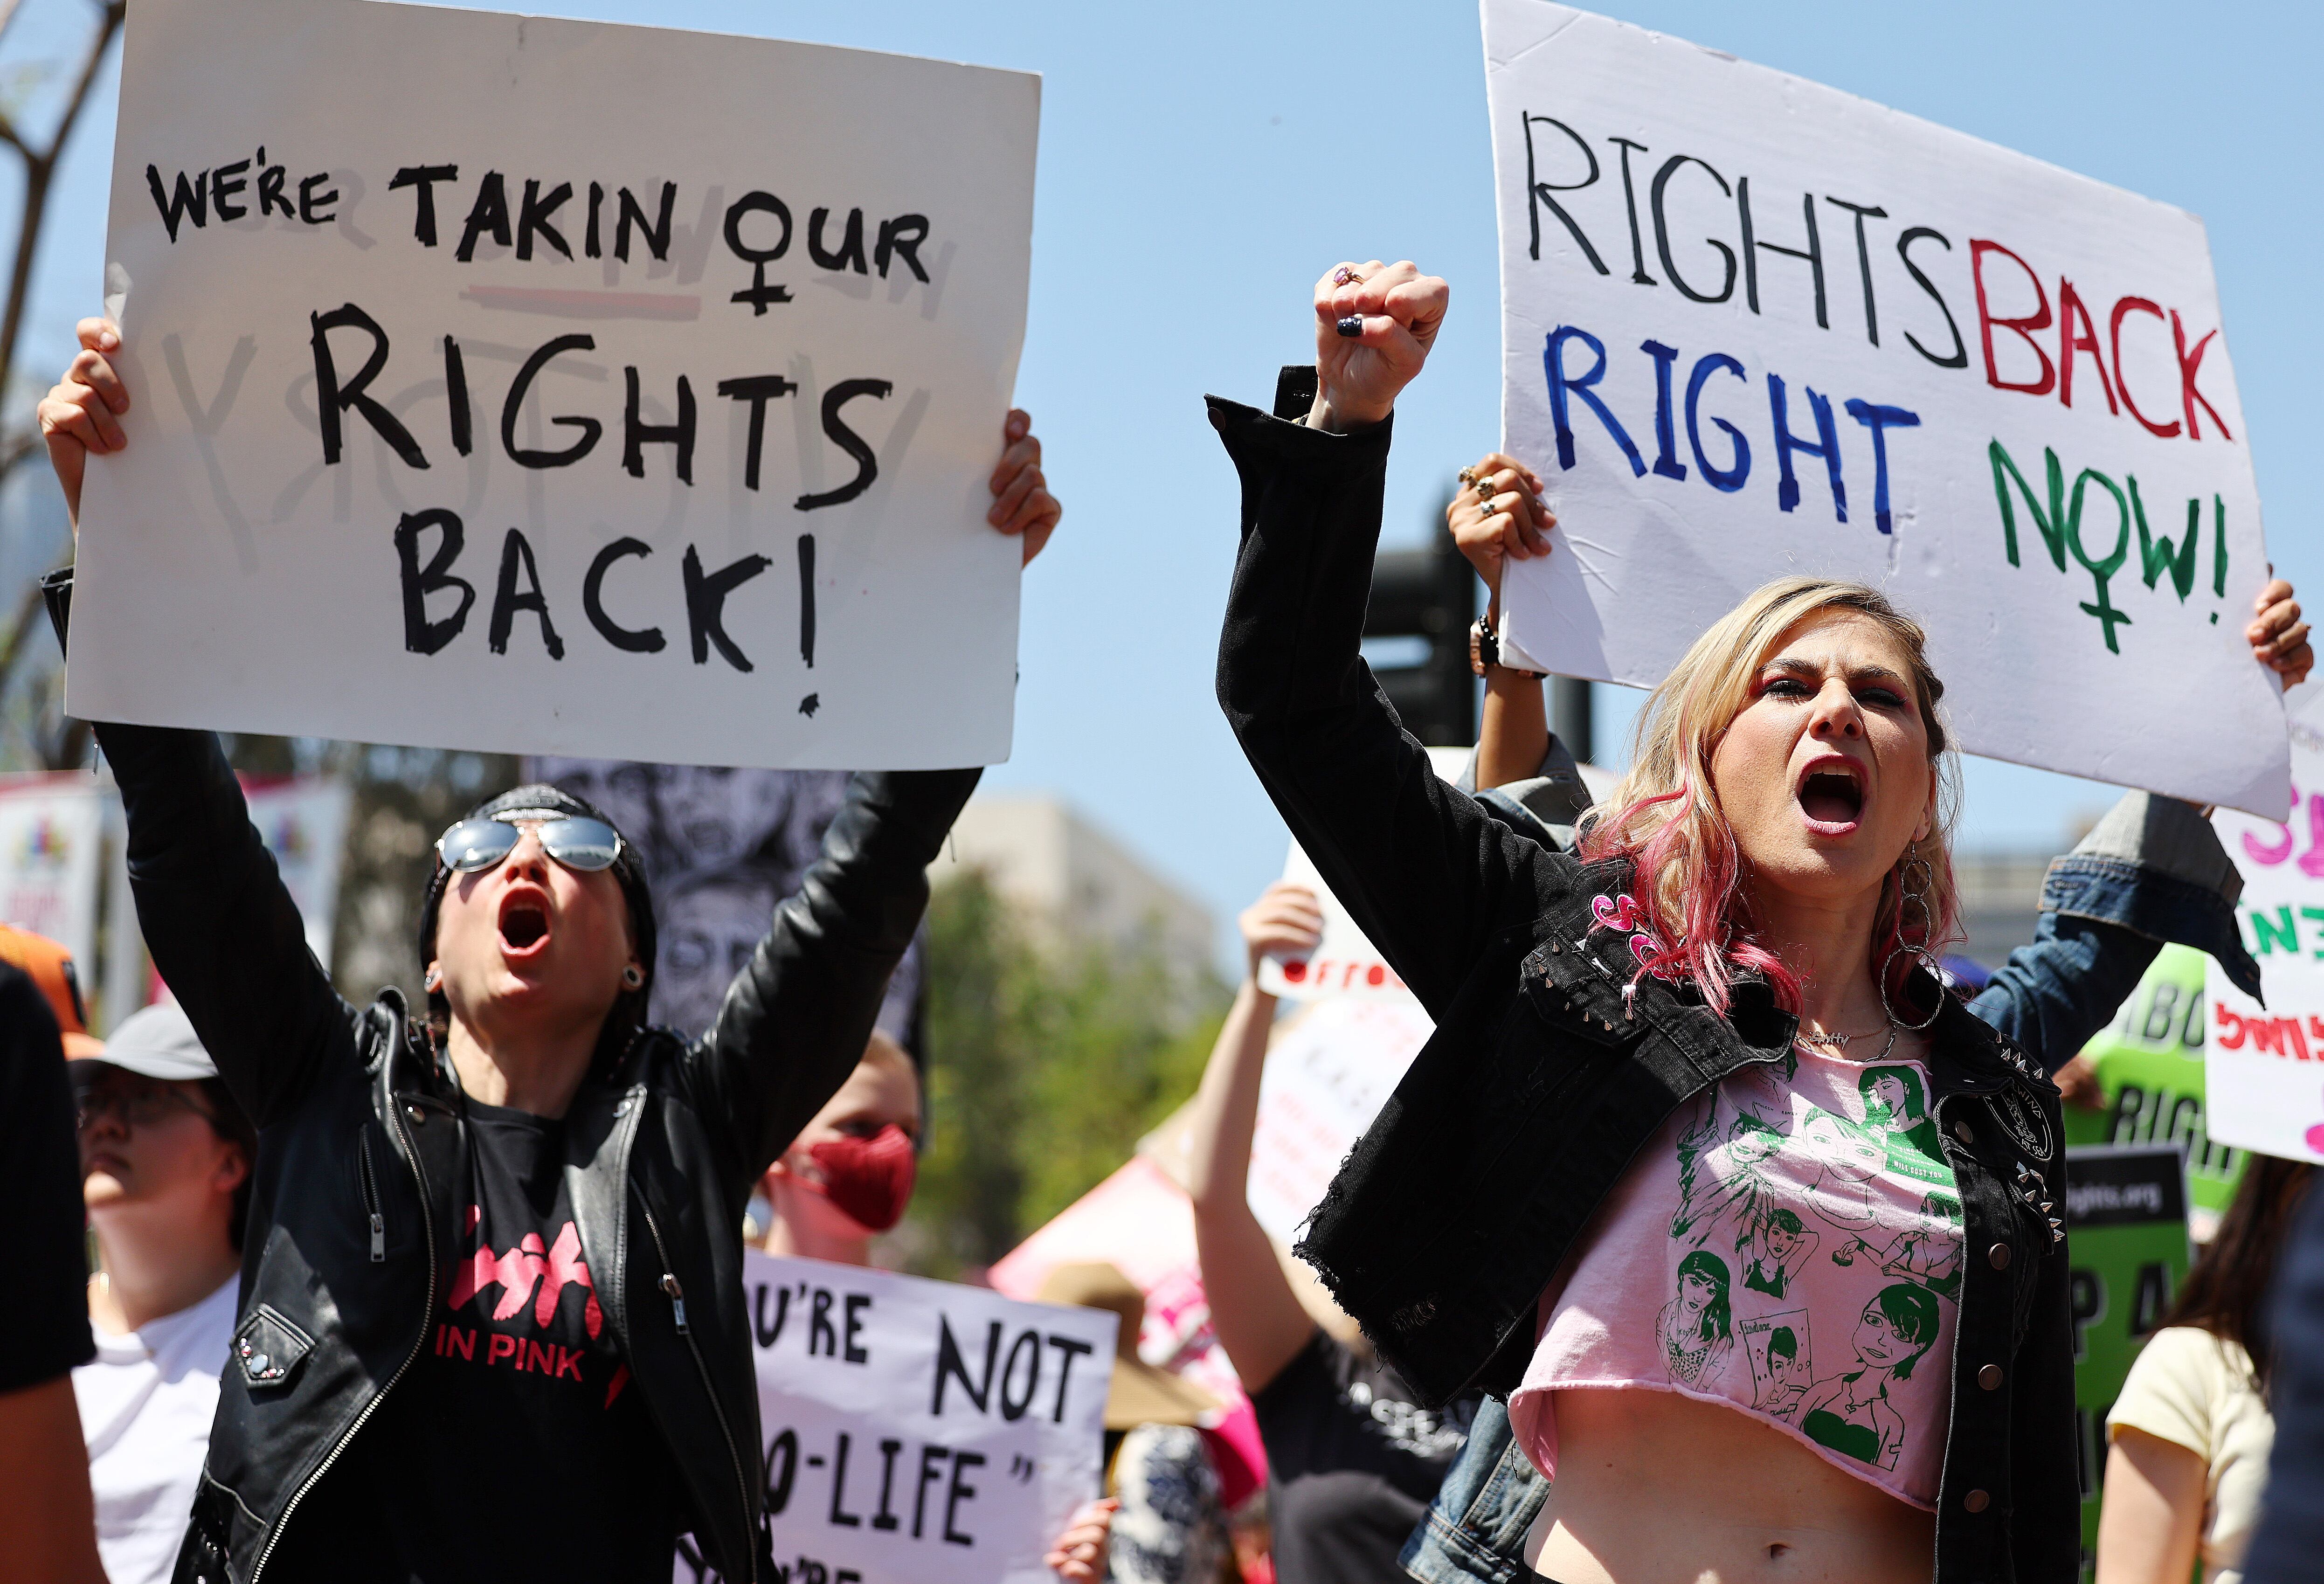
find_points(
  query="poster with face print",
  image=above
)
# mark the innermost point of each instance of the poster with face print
(722, 848)
(1754, 327)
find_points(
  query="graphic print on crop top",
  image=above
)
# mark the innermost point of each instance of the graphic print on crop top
(1790, 1244)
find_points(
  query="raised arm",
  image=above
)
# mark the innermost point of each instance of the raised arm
(225, 934)
(1498, 516)
(1259, 1319)
(2152, 873)
(1427, 875)
(794, 1021)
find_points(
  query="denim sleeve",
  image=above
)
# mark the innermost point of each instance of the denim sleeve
(1545, 805)
(1475, 1530)
(2151, 872)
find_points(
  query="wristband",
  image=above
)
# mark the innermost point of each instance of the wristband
(1485, 650)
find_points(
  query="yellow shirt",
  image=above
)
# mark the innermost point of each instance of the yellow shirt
(2195, 1390)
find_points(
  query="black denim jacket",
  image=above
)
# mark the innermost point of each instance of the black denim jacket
(1543, 1078)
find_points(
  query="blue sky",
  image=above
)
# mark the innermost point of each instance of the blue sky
(1201, 163)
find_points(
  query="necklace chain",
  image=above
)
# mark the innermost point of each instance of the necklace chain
(1822, 1037)
(1823, 1044)
(1838, 1043)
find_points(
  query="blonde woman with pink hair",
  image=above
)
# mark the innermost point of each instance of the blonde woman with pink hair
(1748, 924)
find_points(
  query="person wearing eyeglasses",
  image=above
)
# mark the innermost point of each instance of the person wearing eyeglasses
(165, 1163)
(491, 1321)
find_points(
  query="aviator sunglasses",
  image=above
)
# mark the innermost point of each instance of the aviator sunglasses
(577, 842)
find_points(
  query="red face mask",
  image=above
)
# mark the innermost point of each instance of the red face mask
(869, 1178)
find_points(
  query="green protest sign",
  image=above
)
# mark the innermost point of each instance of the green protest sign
(2127, 1254)
(2150, 1071)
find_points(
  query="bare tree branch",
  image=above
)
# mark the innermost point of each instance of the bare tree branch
(40, 169)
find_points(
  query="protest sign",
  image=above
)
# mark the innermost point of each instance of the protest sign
(1754, 327)
(559, 387)
(2149, 1067)
(303, 820)
(1344, 962)
(1141, 1221)
(1326, 1078)
(722, 848)
(2126, 1229)
(918, 1432)
(2264, 1065)
(51, 827)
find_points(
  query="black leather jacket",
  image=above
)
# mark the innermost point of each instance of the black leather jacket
(361, 1143)
(1542, 1082)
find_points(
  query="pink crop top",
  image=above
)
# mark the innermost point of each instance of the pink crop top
(1788, 1245)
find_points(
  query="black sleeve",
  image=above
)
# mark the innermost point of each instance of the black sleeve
(44, 1323)
(1429, 876)
(796, 1019)
(225, 934)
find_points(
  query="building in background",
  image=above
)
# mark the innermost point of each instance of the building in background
(1074, 884)
(2000, 898)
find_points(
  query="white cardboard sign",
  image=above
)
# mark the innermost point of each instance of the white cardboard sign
(1344, 962)
(303, 822)
(50, 830)
(918, 1432)
(2264, 1067)
(558, 387)
(1326, 1078)
(1755, 327)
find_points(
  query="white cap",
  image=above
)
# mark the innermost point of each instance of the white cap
(159, 1043)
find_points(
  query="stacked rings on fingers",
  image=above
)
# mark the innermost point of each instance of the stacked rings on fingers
(1467, 476)
(1345, 275)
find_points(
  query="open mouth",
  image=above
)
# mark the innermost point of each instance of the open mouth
(524, 924)
(1831, 793)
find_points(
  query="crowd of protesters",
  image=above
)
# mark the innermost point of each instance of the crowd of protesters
(1715, 1233)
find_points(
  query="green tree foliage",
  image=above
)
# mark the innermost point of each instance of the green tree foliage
(1045, 1067)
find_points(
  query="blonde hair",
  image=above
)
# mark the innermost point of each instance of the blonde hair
(1666, 820)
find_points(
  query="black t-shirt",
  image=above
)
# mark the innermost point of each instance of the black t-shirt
(1351, 1463)
(517, 1446)
(44, 1324)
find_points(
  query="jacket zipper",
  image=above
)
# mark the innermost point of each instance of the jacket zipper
(677, 1293)
(427, 1226)
(371, 1202)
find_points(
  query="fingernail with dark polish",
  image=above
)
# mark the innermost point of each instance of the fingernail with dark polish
(1351, 326)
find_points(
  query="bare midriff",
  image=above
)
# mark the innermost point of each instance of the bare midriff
(1653, 1488)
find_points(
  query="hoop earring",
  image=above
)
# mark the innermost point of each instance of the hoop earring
(633, 976)
(1927, 959)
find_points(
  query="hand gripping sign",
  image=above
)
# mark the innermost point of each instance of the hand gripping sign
(917, 1432)
(558, 387)
(1753, 327)
(2264, 1067)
